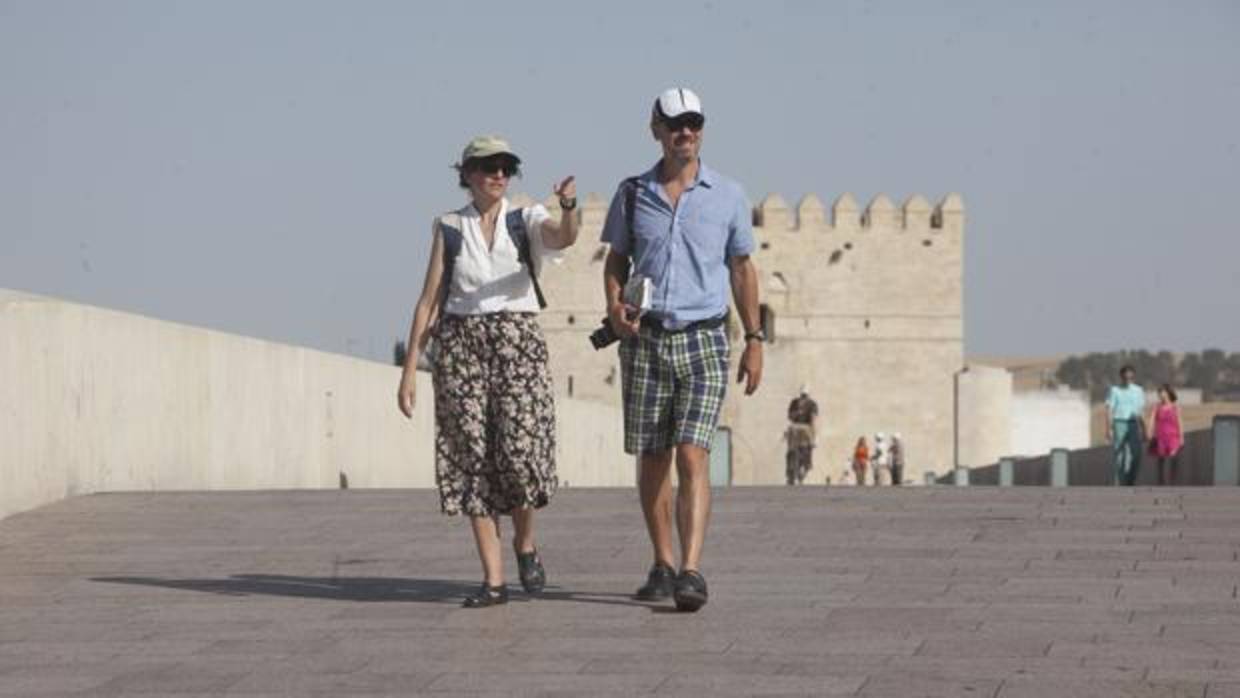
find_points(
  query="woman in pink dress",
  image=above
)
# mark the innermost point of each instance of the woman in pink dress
(1168, 435)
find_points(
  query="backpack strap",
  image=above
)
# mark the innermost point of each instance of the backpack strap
(452, 242)
(515, 222)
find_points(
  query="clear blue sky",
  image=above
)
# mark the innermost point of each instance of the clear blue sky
(271, 167)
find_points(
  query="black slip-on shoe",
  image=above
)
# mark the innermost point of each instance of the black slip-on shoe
(487, 596)
(530, 568)
(659, 584)
(690, 593)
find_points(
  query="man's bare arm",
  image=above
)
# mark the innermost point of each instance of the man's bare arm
(745, 294)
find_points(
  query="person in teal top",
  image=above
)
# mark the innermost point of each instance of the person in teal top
(1125, 414)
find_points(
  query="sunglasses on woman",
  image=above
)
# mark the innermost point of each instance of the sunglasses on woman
(694, 122)
(500, 164)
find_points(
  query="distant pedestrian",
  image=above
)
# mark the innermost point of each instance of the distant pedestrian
(1168, 434)
(880, 460)
(860, 460)
(801, 434)
(897, 460)
(1125, 408)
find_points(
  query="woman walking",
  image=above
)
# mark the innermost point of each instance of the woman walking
(860, 460)
(494, 411)
(1168, 434)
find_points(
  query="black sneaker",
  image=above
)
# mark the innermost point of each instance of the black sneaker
(530, 569)
(690, 593)
(487, 596)
(659, 584)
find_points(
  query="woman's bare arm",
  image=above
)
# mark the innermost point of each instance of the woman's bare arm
(558, 235)
(425, 313)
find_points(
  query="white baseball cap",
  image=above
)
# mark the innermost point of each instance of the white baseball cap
(676, 101)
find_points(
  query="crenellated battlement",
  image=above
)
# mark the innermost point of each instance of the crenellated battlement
(881, 259)
(881, 215)
(774, 214)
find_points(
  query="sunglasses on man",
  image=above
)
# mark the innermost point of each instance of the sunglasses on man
(692, 121)
(496, 164)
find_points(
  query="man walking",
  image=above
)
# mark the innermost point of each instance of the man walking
(801, 433)
(880, 460)
(1125, 412)
(686, 229)
(897, 459)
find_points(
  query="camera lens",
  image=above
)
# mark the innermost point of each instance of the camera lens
(603, 336)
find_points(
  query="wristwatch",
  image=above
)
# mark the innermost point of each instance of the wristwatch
(758, 334)
(568, 204)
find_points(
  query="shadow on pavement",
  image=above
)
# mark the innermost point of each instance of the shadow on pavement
(358, 589)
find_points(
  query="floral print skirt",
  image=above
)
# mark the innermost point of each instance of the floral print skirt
(494, 414)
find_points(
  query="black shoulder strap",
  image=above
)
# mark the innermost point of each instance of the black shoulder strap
(515, 221)
(630, 185)
(452, 240)
(630, 205)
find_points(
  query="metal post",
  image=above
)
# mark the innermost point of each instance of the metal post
(1006, 468)
(1227, 450)
(1059, 467)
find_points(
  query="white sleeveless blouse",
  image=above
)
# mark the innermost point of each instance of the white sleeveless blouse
(494, 280)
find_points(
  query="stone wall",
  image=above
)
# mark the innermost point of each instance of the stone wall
(983, 415)
(94, 400)
(1094, 466)
(1047, 419)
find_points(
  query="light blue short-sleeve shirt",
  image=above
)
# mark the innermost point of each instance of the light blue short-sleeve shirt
(684, 250)
(1126, 403)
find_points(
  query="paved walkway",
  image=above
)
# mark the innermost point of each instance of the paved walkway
(914, 592)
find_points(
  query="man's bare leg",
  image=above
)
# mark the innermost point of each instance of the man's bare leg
(655, 488)
(692, 502)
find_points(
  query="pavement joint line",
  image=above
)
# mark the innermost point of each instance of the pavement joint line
(666, 679)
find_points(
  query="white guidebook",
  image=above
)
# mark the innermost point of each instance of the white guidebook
(638, 292)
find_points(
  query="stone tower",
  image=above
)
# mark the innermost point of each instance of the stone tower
(865, 308)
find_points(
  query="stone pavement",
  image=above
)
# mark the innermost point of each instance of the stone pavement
(913, 592)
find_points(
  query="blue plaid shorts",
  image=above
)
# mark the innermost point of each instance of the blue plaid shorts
(674, 384)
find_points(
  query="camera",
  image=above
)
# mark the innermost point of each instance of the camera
(604, 336)
(637, 295)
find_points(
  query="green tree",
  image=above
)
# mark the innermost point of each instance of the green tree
(1232, 373)
(1202, 371)
(1167, 369)
(1214, 364)
(1103, 370)
(1071, 372)
(1213, 371)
